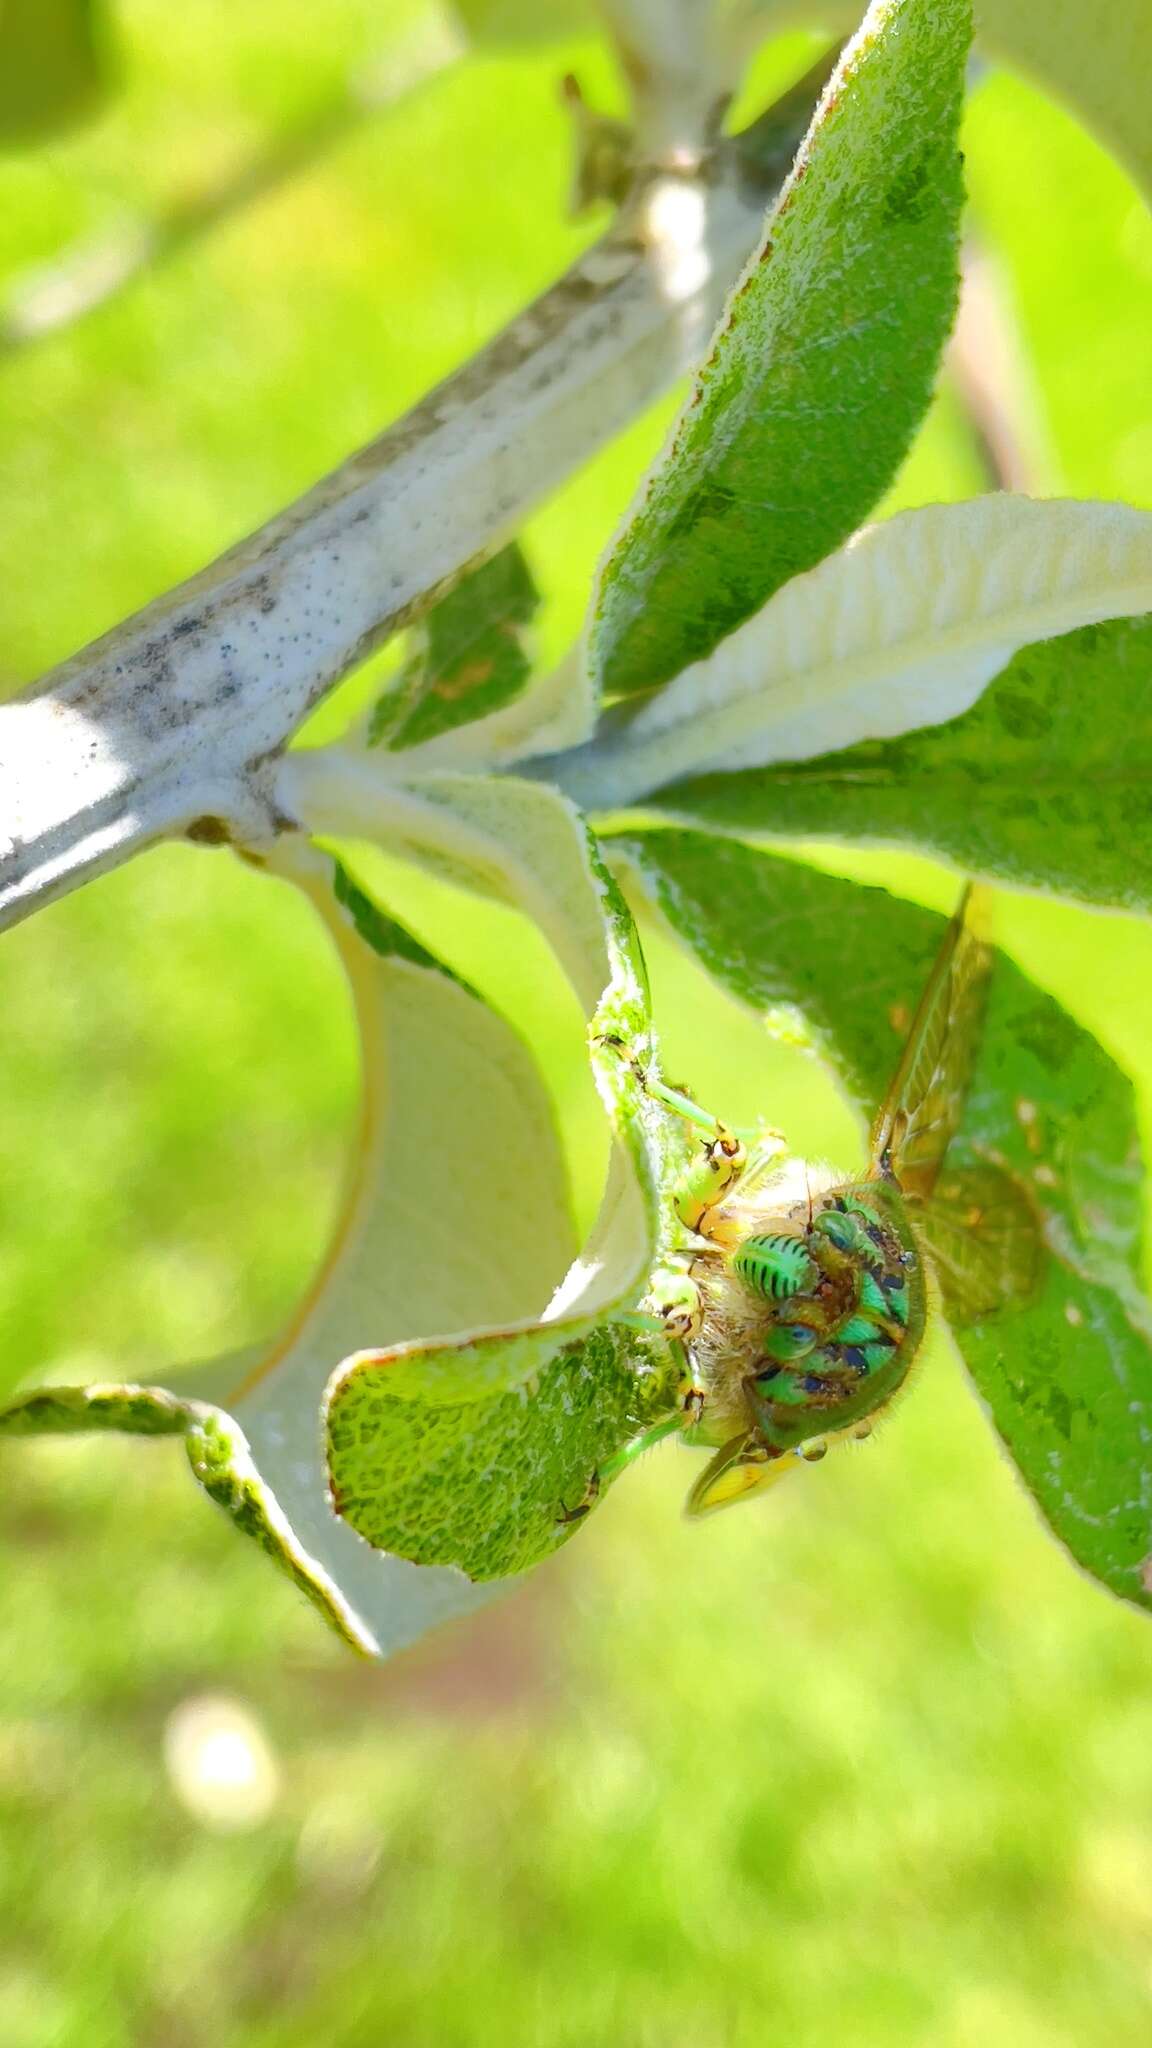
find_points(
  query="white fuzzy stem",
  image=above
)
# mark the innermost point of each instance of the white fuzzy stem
(173, 721)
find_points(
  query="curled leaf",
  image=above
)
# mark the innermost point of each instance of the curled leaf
(413, 1254)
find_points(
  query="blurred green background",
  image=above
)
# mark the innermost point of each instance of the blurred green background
(866, 1764)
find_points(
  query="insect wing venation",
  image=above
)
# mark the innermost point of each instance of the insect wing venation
(984, 1240)
(922, 1110)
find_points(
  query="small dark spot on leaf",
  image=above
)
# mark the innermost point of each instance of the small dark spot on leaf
(711, 501)
(911, 193)
(1021, 716)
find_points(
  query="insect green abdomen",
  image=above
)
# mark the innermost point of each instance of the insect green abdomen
(842, 1343)
(775, 1266)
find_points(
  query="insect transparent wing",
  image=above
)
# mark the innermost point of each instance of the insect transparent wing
(924, 1104)
(985, 1243)
(741, 1468)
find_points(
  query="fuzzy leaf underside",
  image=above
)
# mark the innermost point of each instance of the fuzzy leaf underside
(1068, 1380)
(823, 363)
(410, 1257)
(468, 659)
(901, 629)
(1046, 781)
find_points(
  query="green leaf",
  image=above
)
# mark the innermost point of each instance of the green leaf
(559, 711)
(1045, 781)
(51, 66)
(823, 363)
(1068, 1381)
(489, 1485)
(379, 931)
(903, 627)
(469, 657)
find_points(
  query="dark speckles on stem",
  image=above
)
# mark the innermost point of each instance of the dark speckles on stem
(209, 831)
(182, 628)
(156, 659)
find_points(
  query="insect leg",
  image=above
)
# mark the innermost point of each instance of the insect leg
(689, 1407)
(619, 1462)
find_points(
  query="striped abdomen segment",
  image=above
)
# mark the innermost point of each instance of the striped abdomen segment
(775, 1266)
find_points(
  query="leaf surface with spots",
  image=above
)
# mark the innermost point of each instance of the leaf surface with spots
(822, 366)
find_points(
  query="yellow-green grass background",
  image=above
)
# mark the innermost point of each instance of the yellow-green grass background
(867, 1764)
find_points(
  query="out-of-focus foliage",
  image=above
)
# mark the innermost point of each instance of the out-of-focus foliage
(52, 65)
(629, 1803)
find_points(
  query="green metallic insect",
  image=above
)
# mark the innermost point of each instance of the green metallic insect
(799, 1302)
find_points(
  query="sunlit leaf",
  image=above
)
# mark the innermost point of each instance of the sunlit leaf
(426, 1483)
(822, 365)
(495, 1482)
(1068, 1381)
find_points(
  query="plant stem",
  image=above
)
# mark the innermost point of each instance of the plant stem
(173, 721)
